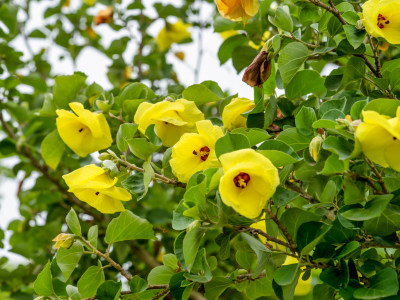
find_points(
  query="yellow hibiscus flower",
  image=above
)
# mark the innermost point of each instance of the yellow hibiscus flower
(379, 137)
(91, 184)
(249, 180)
(381, 18)
(238, 10)
(231, 115)
(172, 119)
(84, 132)
(172, 33)
(195, 151)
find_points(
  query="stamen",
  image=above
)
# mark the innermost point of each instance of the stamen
(80, 130)
(241, 180)
(194, 152)
(204, 152)
(97, 193)
(394, 138)
(381, 21)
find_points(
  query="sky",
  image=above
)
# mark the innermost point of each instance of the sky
(94, 64)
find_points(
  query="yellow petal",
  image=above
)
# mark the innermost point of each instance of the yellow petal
(250, 200)
(391, 155)
(81, 175)
(250, 7)
(100, 201)
(231, 115)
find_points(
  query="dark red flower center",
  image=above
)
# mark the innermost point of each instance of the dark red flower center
(204, 152)
(241, 180)
(382, 21)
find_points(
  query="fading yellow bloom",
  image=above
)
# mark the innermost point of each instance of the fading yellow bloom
(84, 132)
(195, 151)
(379, 137)
(238, 10)
(231, 115)
(63, 240)
(249, 180)
(172, 119)
(172, 33)
(104, 16)
(381, 18)
(93, 185)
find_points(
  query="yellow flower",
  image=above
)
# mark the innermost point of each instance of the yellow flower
(172, 119)
(381, 18)
(379, 137)
(172, 33)
(249, 180)
(231, 116)
(91, 184)
(63, 240)
(238, 10)
(84, 132)
(195, 151)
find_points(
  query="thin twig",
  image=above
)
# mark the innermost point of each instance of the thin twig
(161, 294)
(378, 176)
(292, 37)
(301, 191)
(156, 176)
(332, 9)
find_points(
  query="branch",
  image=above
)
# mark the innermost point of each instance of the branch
(156, 176)
(292, 37)
(298, 189)
(262, 233)
(378, 175)
(161, 294)
(332, 9)
(293, 246)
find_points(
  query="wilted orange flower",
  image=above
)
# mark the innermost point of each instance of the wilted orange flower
(238, 10)
(104, 16)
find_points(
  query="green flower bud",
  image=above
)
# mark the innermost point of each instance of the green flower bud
(315, 147)
(64, 240)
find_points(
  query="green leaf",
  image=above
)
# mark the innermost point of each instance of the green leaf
(170, 260)
(283, 196)
(282, 18)
(231, 142)
(90, 281)
(66, 88)
(372, 209)
(383, 284)
(67, 259)
(348, 249)
(291, 59)
(43, 284)
(329, 192)
(339, 146)
(128, 226)
(294, 217)
(135, 91)
(109, 290)
(305, 82)
(73, 222)
(142, 148)
(278, 158)
(354, 35)
(261, 251)
(304, 120)
(125, 132)
(191, 244)
(324, 124)
(216, 287)
(285, 275)
(333, 165)
(387, 223)
(138, 183)
(354, 70)
(73, 292)
(137, 284)
(385, 107)
(309, 234)
(93, 235)
(226, 49)
(200, 94)
(52, 149)
(242, 57)
(295, 140)
(160, 275)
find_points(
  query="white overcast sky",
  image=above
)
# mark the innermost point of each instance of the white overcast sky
(94, 64)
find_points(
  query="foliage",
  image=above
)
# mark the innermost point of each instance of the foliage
(329, 231)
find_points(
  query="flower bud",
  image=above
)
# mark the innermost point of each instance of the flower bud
(63, 240)
(360, 25)
(105, 156)
(315, 147)
(367, 87)
(104, 16)
(104, 105)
